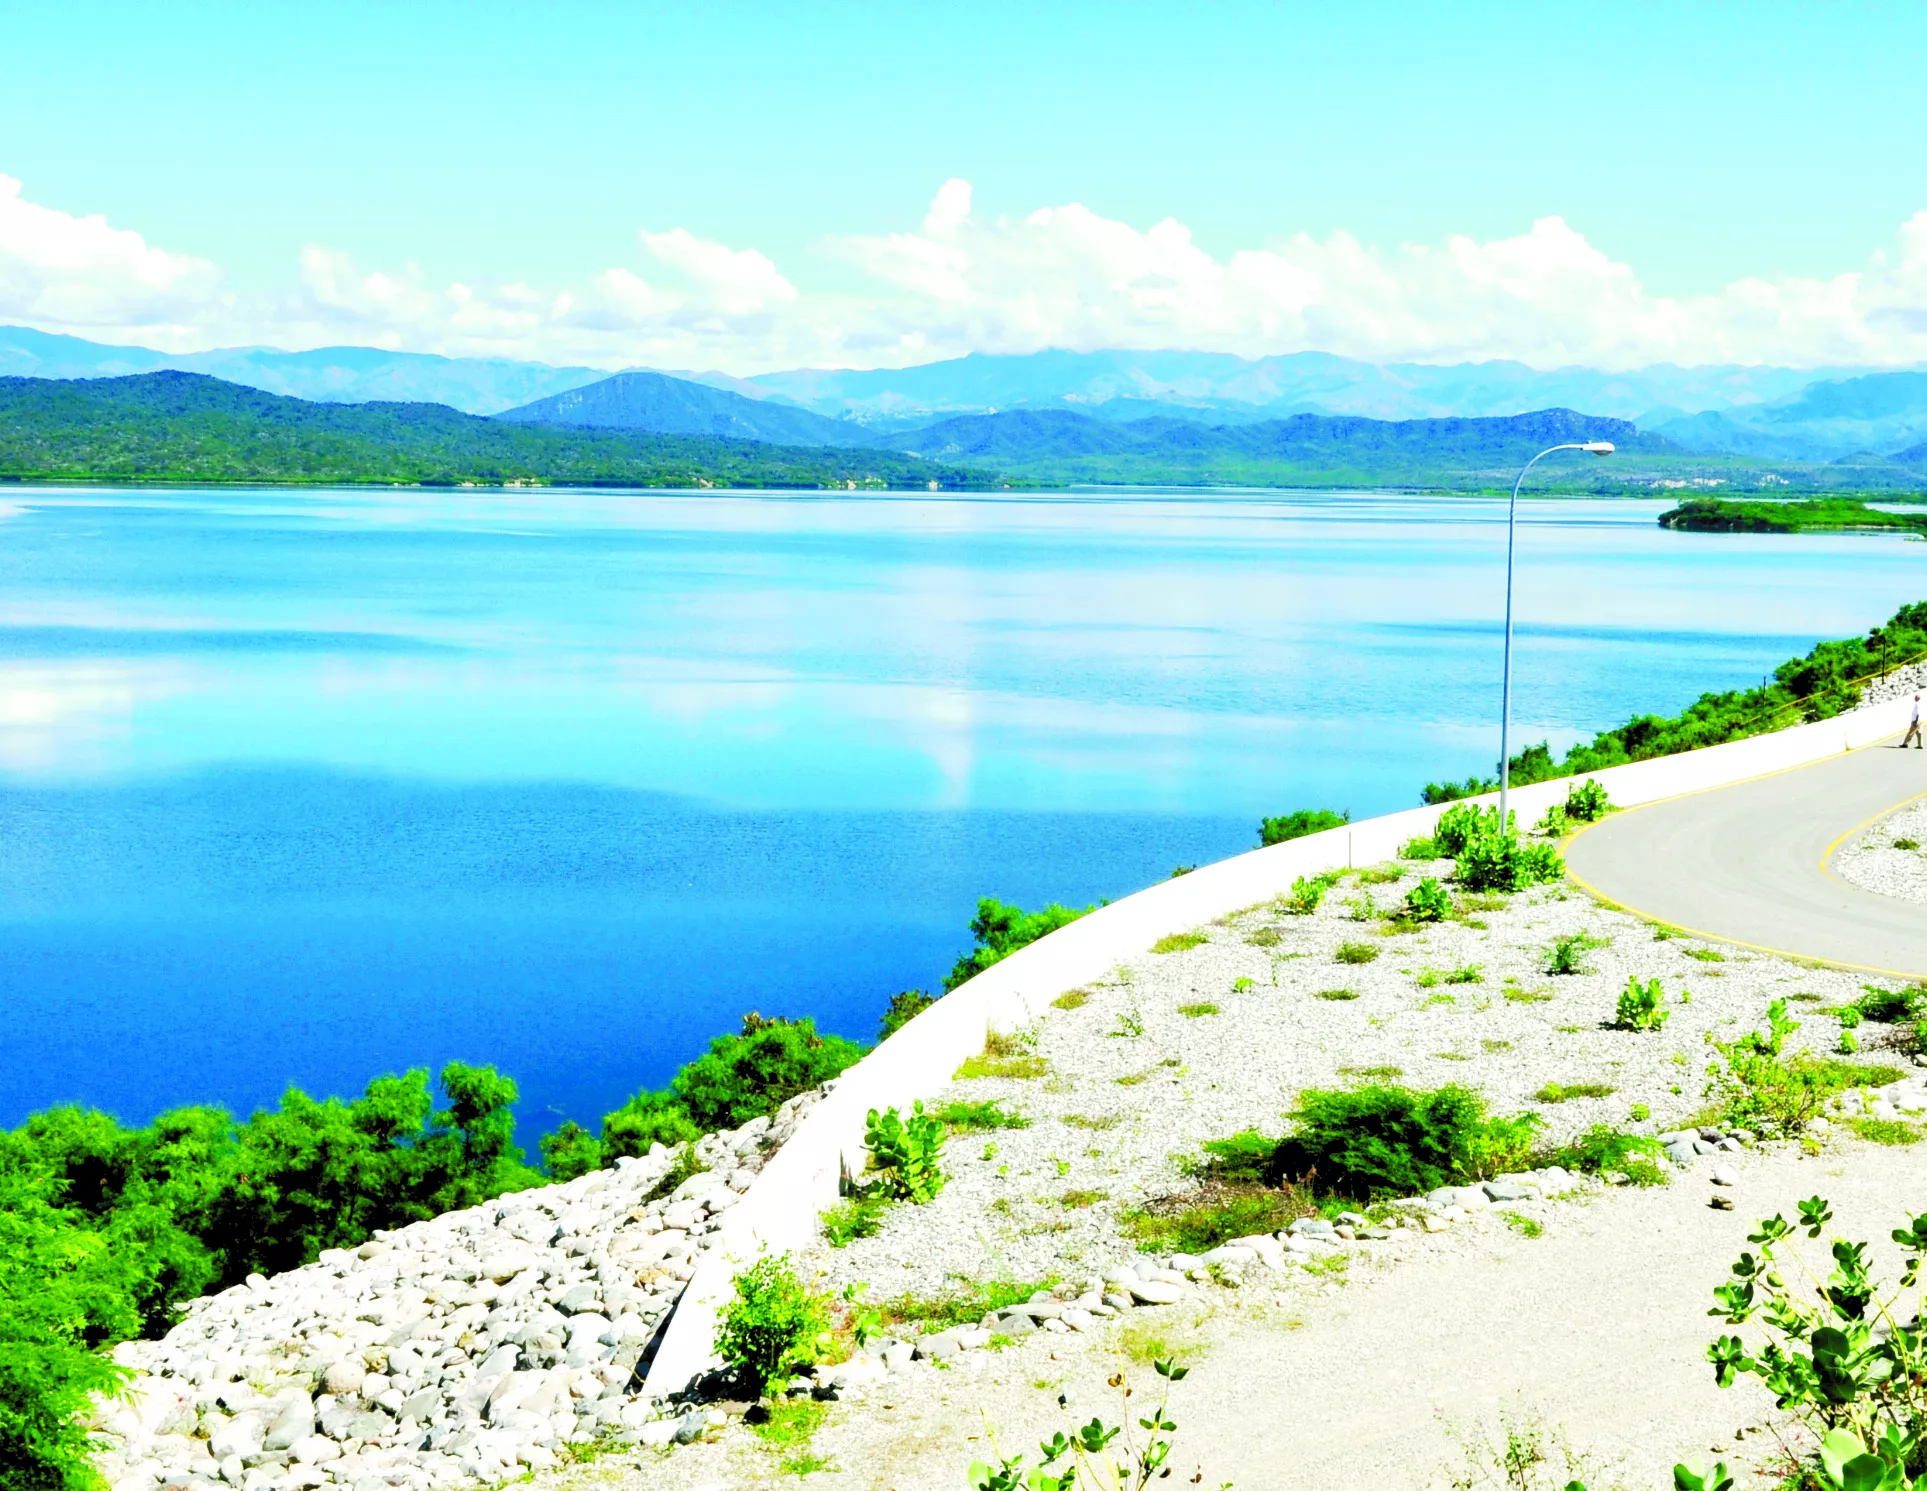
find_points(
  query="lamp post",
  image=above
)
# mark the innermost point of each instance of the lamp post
(1591, 447)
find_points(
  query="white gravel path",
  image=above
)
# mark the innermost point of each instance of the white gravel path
(1874, 861)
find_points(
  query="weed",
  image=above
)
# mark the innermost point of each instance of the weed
(1266, 936)
(1146, 1341)
(1380, 875)
(1071, 999)
(1554, 824)
(1307, 891)
(1372, 1073)
(687, 1163)
(1885, 1131)
(1431, 999)
(1705, 954)
(1906, 843)
(972, 1118)
(1081, 1200)
(1570, 1029)
(1197, 1011)
(1760, 1088)
(1515, 994)
(1640, 1006)
(1604, 1149)
(857, 1216)
(1362, 909)
(1469, 973)
(1420, 850)
(1664, 933)
(990, 1152)
(1887, 1006)
(1336, 994)
(1524, 1225)
(1496, 1046)
(1327, 1265)
(1355, 952)
(1179, 942)
(1129, 1025)
(1567, 955)
(1639, 1113)
(1086, 1121)
(1478, 903)
(789, 1424)
(1132, 1079)
(1428, 978)
(1554, 1092)
(1002, 1057)
(1450, 1056)
(966, 1304)
(1242, 984)
(1197, 1221)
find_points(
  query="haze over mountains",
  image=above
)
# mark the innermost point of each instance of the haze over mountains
(1767, 413)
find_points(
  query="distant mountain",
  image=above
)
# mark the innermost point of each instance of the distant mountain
(339, 375)
(1265, 388)
(175, 427)
(676, 406)
(1826, 420)
(1062, 446)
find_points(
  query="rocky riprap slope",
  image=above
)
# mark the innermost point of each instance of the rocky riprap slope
(455, 1350)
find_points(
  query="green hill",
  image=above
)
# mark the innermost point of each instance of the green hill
(186, 427)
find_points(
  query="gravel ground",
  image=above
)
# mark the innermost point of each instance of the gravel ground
(1872, 861)
(1114, 1116)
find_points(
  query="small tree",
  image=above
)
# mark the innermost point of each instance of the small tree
(773, 1325)
(908, 1157)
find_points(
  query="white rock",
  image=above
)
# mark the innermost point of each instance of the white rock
(1725, 1175)
(1156, 1292)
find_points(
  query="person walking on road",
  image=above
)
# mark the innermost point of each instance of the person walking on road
(1913, 730)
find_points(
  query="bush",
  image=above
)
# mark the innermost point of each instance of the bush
(1640, 1006)
(1761, 1088)
(1428, 901)
(1001, 929)
(1297, 825)
(1308, 890)
(1553, 823)
(1374, 1141)
(907, 1157)
(1567, 955)
(1887, 1006)
(1438, 792)
(647, 1119)
(1456, 826)
(570, 1151)
(1603, 1148)
(901, 1010)
(854, 1217)
(1839, 1353)
(752, 1074)
(774, 1324)
(977, 1118)
(1495, 858)
(1420, 849)
(1586, 802)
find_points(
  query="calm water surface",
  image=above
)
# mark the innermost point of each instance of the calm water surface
(304, 787)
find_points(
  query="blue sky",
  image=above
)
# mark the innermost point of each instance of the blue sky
(492, 146)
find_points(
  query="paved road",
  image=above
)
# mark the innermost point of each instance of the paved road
(1744, 863)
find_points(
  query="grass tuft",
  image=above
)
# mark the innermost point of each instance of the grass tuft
(1336, 994)
(1355, 952)
(1554, 1092)
(1197, 1011)
(1179, 942)
(1071, 999)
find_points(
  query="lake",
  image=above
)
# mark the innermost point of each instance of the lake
(300, 787)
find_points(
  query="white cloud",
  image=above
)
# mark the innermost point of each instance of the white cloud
(78, 275)
(1062, 276)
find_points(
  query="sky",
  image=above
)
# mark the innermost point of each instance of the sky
(754, 186)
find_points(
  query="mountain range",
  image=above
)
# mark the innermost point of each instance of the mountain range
(1757, 414)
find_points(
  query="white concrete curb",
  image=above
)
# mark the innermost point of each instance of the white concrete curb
(778, 1212)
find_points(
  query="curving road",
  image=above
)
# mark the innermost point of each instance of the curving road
(1746, 864)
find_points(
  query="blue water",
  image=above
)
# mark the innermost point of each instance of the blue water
(302, 787)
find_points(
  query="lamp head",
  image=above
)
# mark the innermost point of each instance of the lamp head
(1598, 447)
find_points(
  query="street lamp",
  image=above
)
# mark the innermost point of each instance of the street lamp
(1591, 447)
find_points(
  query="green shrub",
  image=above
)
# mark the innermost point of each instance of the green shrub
(1641, 1006)
(908, 1157)
(901, 1010)
(1586, 802)
(1554, 1092)
(570, 1151)
(1553, 824)
(1906, 844)
(1568, 954)
(1758, 1086)
(1198, 1223)
(1420, 849)
(1887, 1006)
(1374, 1141)
(1465, 973)
(1297, 825)
(1497, 859)
(1456, 827)
(1308, 890)
(752, 1074)
(1602, 1148)
(1355, 952)
(647, 1119)
(1428, 901)
(773, 1325)
(1435, 793)
(1001, 929)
